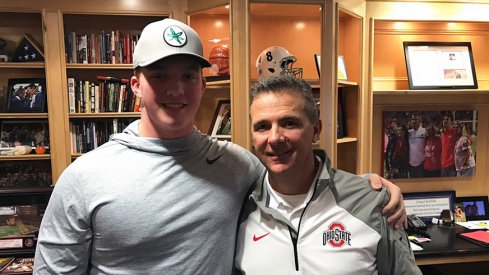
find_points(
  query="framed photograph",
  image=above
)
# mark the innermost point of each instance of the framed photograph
(429, 144)
(428, 205)
(26, 174)
(440, 65)
(474, 208)
(26, 95)
(23, 132)
(342, 68)
(317, 60)
(221, 122)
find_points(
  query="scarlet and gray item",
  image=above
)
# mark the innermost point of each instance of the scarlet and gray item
(341, 230)
(276, 61)
(219, 57)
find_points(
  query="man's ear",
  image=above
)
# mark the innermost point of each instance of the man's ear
(135, 86)
(204, 84)
(318, 126)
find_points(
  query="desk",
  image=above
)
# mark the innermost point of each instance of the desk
(446, 248)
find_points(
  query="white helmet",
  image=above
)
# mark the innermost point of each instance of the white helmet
(276, 61)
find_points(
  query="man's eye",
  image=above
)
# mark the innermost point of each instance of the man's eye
(260, 128)
(290, 124)
(191, 77)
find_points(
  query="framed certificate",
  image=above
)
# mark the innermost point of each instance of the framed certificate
(440, 65)
(427, 205)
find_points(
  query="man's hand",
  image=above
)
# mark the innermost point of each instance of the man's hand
(395, 207)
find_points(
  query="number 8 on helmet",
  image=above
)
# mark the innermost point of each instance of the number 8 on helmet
(276, 61)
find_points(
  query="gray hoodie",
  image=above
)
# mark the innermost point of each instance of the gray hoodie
(147, 206)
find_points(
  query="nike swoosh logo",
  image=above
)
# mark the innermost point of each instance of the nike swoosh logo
(255, 238)
(211, 161)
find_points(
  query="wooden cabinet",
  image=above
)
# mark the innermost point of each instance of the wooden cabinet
(98, 61)
(389, 80)
(25, 180)
(304, 28)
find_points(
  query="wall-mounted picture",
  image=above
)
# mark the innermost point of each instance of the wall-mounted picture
(440, 65)
(221, 123)
(26, 95)
(23, 132)
(429, 144)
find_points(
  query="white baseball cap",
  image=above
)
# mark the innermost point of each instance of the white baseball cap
(166, 38)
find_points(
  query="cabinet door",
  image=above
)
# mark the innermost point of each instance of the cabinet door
(23, 104)
(214, 116)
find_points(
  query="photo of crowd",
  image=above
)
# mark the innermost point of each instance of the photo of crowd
(426, 144)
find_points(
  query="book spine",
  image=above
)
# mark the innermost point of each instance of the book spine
(86, 89)
(81, 98)
(92, 97)
(97, 98)
(71, 95)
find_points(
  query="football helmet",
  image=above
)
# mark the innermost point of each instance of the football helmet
(276, 61)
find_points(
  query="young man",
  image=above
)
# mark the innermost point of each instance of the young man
(305, 217)
(161, 197)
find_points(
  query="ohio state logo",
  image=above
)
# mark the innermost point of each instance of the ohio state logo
(336, 235)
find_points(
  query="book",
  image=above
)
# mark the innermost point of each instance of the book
(71, 95)
(480, 237)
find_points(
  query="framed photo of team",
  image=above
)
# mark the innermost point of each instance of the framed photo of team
(429, 144)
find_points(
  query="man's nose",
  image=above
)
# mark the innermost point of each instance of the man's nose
(276, 135)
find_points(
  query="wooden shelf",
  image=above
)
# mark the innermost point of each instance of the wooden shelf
(26, 157)
(79, 66)
(346, 140)
(106, 115)
(346, 83)
(432, 92)
(219, 84)
(23, 115)
(22, 65)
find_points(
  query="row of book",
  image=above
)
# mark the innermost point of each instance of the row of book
(110, 94)
(88, 135)
(12, 265)
(111, 47)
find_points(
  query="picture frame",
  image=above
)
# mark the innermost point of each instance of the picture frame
(26, 95)
(428, 205)
(31, 174)
(440, 65)
(476, 208)
(221, 121)
(342, 75)
(317, 61)
(404, 143)
(23, 132)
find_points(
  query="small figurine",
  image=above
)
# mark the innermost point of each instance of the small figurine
(17, 150)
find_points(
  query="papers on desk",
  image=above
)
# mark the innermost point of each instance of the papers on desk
(415, 247)
(479, 237)
(474, 224)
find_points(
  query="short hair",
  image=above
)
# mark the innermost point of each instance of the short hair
(291, 85)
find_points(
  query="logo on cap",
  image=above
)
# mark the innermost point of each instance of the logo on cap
(175, 36)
